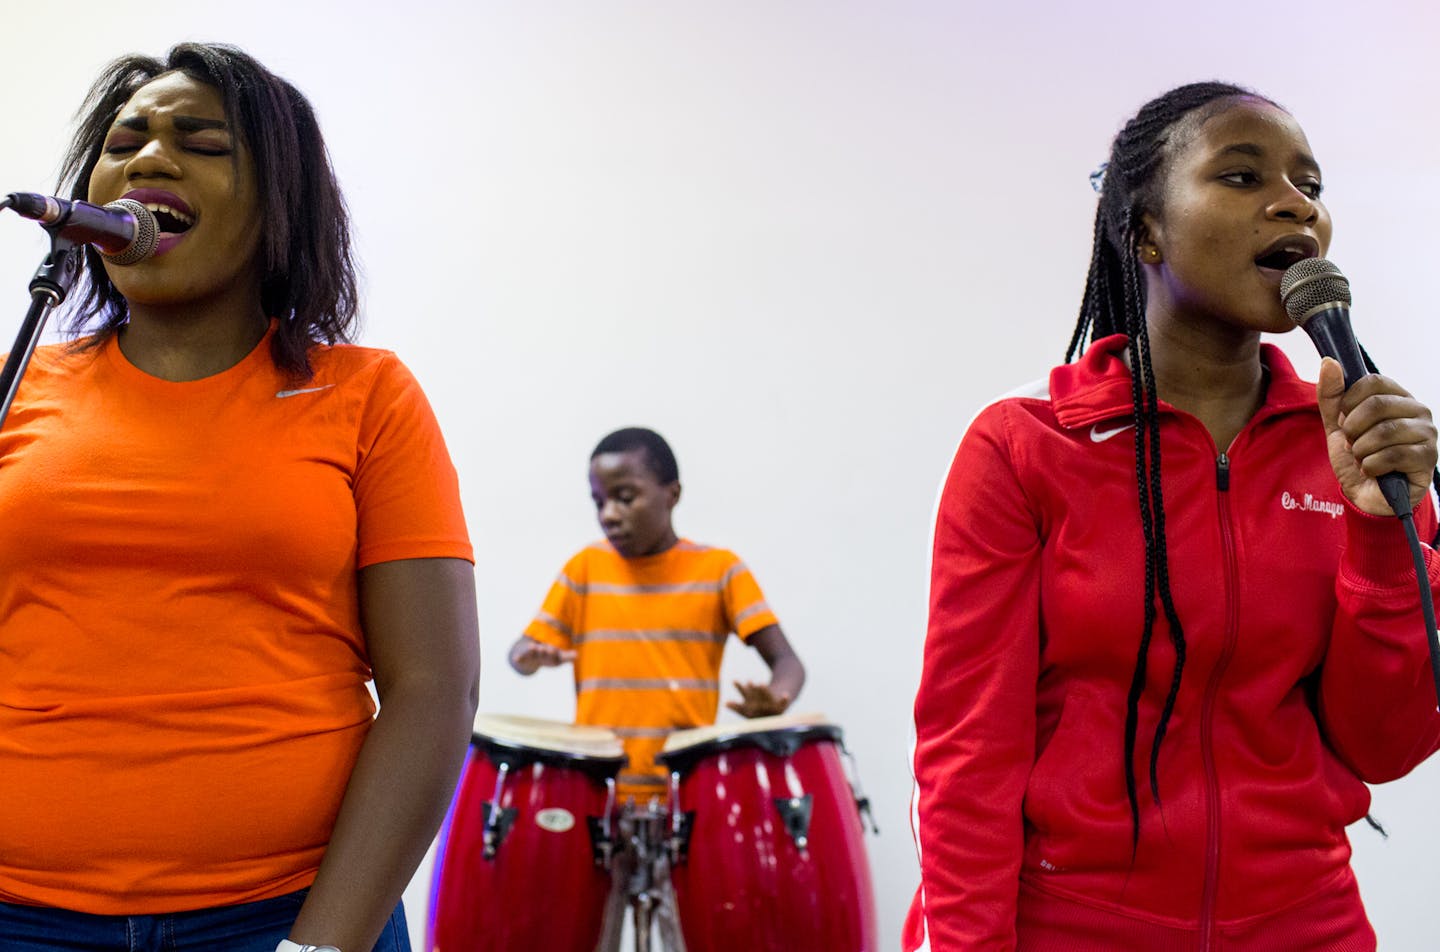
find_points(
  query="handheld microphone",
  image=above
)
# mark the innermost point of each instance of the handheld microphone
(124, 232)
(1317, 297)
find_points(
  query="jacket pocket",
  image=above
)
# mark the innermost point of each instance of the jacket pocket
(1076, 813)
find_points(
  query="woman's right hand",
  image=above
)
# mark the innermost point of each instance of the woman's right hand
(1373, 428)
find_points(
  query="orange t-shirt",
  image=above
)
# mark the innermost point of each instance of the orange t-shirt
(649, 634)
(182, 668)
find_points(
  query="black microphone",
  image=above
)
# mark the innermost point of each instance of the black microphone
(1317, 297)
(124, 232)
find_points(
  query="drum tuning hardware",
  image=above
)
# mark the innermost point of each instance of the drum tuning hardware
(795, 812)
(867, 817)
(681, 822)
(602, 844)
(498, 821)
(678, 842)
(602, 837)
(862, 802)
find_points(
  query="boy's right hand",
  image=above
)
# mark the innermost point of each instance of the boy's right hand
(530, 655)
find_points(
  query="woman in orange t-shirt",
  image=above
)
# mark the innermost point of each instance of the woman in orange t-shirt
(246, 521)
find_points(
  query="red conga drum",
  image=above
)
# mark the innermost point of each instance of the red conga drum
(769, 843)
(525, 850)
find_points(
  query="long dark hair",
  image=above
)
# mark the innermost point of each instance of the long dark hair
(307, 269)
(1114, 303)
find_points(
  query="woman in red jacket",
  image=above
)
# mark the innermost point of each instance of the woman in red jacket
(1103, 764)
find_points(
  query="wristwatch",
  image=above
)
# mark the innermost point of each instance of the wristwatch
(287, 946)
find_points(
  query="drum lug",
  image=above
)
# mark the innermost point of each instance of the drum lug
(795, 812)
(678, 842)
(862, 802)
(602, 839)
(498, 821)
(781, 744)
(867, 818)
(602, 844)
(681, 822)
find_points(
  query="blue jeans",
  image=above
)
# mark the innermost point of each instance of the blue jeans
(248, 927)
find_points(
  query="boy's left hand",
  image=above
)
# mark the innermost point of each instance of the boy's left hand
(757, 700)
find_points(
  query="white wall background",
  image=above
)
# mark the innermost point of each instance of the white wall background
(805, 240)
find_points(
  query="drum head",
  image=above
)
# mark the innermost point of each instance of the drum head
(781, 736)
(517, 740)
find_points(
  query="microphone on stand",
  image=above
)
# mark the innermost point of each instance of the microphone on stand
(124, 231)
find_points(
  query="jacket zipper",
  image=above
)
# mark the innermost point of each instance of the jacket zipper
(1207, 711)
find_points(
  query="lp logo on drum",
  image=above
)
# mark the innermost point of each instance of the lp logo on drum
(555, 820)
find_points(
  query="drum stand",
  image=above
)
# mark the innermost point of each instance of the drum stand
(645, 864)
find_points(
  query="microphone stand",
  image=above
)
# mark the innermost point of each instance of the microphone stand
(48, 289)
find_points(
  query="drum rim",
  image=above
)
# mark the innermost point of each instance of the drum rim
(775, 724)
(683, 758)
(539, 734)
(603, 766)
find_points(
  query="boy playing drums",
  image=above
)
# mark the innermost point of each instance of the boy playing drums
(644, 616)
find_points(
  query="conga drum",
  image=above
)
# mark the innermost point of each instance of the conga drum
(768, 841)
(523, 860)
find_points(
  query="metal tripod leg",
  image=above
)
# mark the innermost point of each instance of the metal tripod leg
(642, 924)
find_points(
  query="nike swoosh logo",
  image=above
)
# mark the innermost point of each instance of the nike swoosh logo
(292, 393)
(1098, 435)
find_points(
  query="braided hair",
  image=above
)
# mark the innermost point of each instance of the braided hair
(1114, 302)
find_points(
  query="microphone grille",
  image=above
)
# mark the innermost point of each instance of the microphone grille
(1312, 283)
(147, 233)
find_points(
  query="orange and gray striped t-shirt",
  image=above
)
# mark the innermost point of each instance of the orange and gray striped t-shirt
(649, 633)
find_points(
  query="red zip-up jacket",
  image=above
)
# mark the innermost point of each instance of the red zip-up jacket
(1306, 675)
